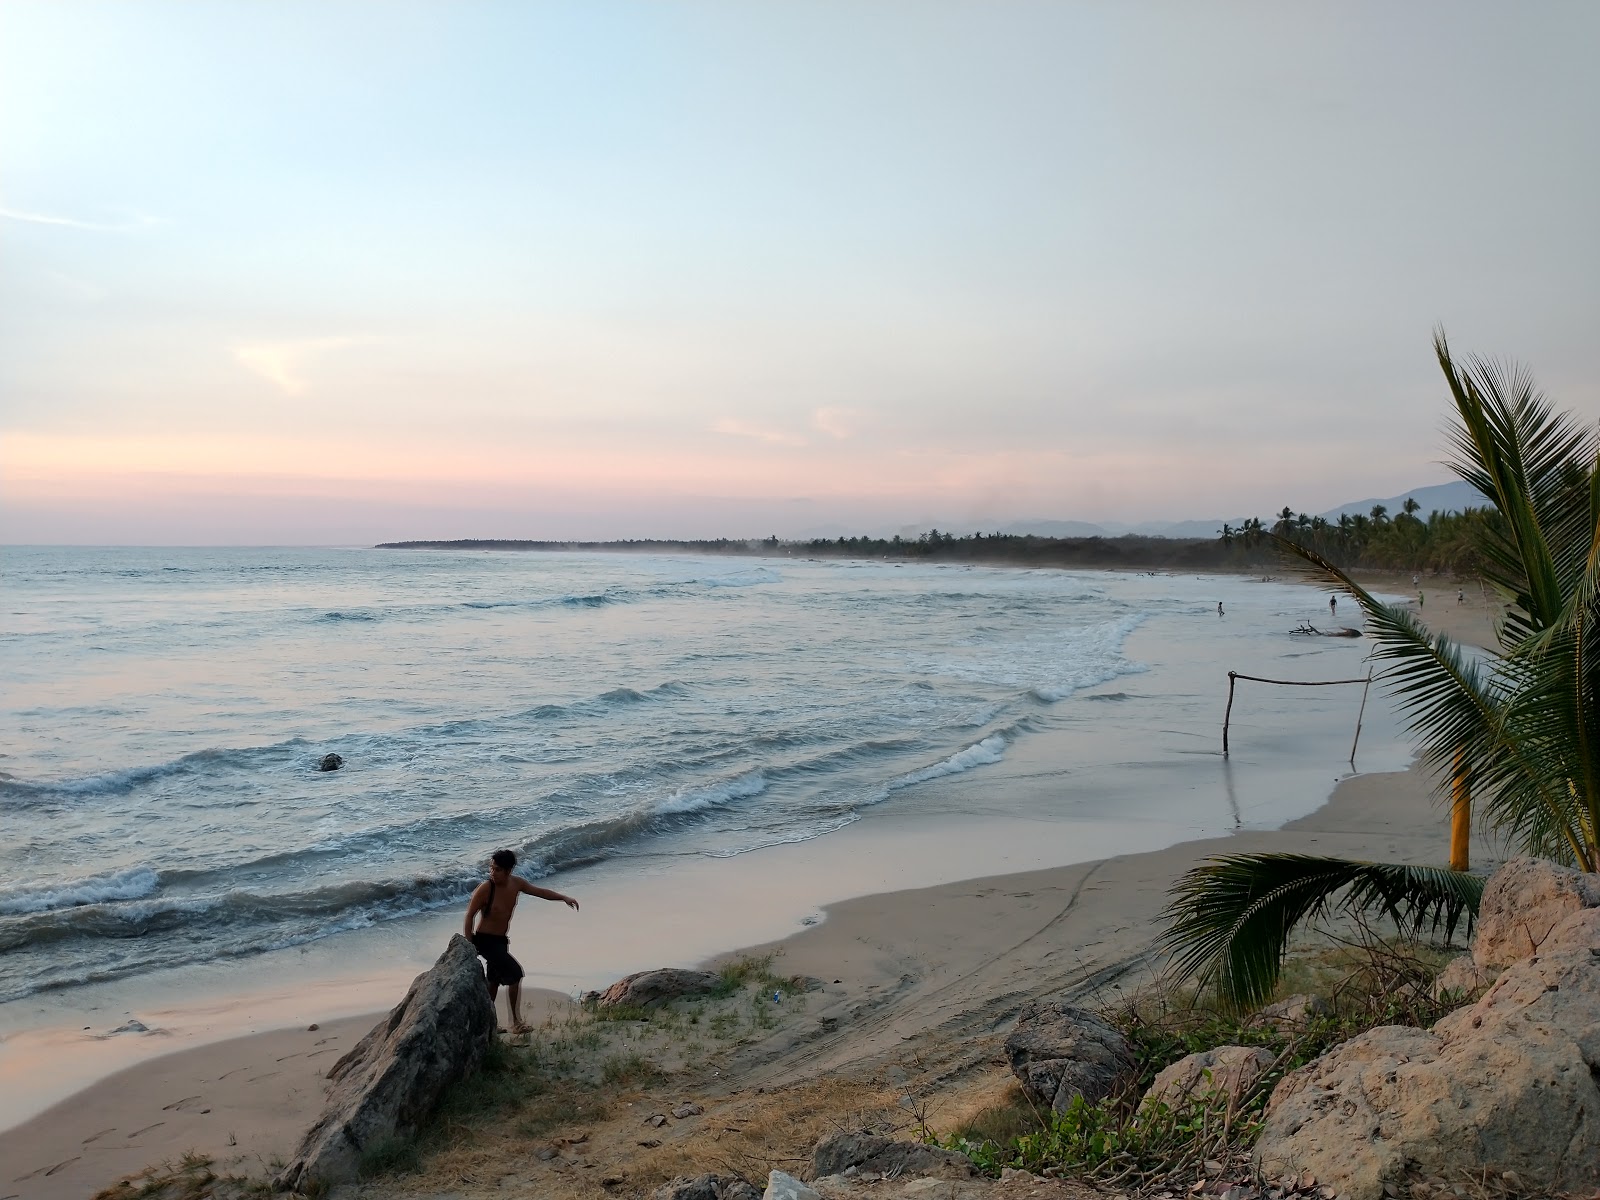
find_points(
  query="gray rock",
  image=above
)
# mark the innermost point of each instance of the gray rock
(330, 762)
(686, 1110)
(1225, 1073)
(865, 1152)
(1522, 904)
(1058, 1051)
(1508, 1083)
(707, 1187)
(391, 1082)
(645, 989)
(787, 1187)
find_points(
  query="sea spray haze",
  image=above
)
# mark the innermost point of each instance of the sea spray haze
(165, 710)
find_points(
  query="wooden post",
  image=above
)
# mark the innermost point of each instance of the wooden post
(1232, 679)
(1460, 813)
(1357, 739)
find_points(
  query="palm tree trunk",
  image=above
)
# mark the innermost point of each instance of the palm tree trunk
(1460, 814)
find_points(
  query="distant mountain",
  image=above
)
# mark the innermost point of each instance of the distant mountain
(1441, 497)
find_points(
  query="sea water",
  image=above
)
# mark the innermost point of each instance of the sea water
(165, 711)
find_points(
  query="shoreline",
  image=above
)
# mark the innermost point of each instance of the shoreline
(944, 935)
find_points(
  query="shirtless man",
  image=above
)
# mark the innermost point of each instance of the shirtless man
(493, 903)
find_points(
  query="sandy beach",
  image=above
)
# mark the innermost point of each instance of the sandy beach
(929, 969)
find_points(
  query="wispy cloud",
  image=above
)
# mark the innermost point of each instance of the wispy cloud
(837, 423)
(282, 363)
(743, 429)
(138, 221)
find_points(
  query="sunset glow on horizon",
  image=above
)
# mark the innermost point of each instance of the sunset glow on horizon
(338, 273)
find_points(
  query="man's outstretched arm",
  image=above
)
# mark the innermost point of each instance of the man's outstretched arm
(546, 894)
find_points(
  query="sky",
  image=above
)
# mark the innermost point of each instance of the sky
(339, 272)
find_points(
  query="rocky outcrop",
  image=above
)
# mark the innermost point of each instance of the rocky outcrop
(707, 1187)
(781, 1186)
(646, 989)
(1507, 1084)
(330, 762)
(1224, 1074)
(1058, 1051)
(390, 1083)
(868, 1152)
(1522, 904)
(1462, 979)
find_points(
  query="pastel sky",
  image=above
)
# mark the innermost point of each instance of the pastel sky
(339, 272)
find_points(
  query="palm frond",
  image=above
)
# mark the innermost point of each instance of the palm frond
(1230, 918)
(1452, 703)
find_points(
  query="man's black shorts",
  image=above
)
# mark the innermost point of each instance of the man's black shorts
(495, 950)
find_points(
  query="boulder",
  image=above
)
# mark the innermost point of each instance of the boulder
(645, 989)
(1463, 979)
(1506, 1084)
(393, 1079)
(1522, 903)
(786, 1187)
(1225, 1073)
(1579, 931)
(1293, 1014)
(707, 1187)
(1058, 1051)
(865, 1151)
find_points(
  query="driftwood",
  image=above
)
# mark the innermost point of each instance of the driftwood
(1311, 630)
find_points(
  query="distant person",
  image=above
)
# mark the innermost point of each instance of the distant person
(493, 903)
(1219, 608)
(1461, 595)
(1333, 606)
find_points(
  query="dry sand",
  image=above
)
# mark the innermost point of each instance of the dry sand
(924, 976)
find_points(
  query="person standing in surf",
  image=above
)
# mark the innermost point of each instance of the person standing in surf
(492, 904)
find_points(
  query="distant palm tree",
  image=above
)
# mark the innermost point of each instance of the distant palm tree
(1520, 731)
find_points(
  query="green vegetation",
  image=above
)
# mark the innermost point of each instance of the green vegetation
(1516, 733)
(1369, 982)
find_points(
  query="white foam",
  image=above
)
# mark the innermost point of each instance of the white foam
(991, 750)
(697, 799)
(132, 884)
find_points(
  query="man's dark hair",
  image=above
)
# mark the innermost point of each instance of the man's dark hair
(504, 859)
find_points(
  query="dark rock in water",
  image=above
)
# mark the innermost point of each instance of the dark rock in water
(1058, 1052)
(645, 988)
(330, 762)
(394, 1078)
(836, 1154)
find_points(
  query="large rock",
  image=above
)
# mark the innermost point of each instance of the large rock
(707, 1187)
(869, 1152)
(1224, 1073)
(1462, 979)
(1058, 1052)
(1508, 1083)
(782, 1186)
(1522, 903)
(391, 1082)
(645, 989)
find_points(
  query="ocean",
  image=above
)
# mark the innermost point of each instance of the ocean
(165, 711)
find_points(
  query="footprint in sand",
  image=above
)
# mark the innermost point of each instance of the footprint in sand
(329, 1050)
(45, 1171)
(319, 1041)
(181, 1105)
(287, 1057)
(259, 1078)
(235, 1071)
(96, 1136)
(146, 1129)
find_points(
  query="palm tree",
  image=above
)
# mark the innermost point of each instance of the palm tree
(1519, 732)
